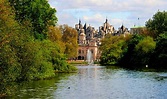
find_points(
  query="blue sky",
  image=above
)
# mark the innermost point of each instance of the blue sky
(118, 12)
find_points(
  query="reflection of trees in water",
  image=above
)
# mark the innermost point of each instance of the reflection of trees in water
(33, 89)
(7, 88)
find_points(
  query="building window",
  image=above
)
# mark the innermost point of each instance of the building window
(82, 51)
(81, 58)
(79, 51)
(92, 51)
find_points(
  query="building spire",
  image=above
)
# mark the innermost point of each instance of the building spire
(106, 19)
(79, 21)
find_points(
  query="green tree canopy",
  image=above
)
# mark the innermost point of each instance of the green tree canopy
(112, 49)
(38, 12)
(158, 59)
(158, 23)
(146, 45)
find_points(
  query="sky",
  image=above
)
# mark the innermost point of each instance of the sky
(118, 12)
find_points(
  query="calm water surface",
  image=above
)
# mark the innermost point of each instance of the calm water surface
(98, 82)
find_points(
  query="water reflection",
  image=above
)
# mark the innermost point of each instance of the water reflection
(98, 82)
(38, 89)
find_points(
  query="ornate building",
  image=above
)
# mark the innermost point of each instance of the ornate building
(90, 39)
(105, 29)
(87, 41)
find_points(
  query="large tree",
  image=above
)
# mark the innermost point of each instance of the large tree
(10, 43)
(158, 58)
(70, 39)
(38, 12)
(112, 49)
(158, 23)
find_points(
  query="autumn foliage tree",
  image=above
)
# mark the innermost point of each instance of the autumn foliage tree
(69, 37)
(10, 43)
(55, 35)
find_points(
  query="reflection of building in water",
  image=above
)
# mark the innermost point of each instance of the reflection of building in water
(89, 38)
(90, 71)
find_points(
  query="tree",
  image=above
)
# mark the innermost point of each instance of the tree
(10, 42)
(129, 58)
(23, 58)
(158, 23)
(7, 23)
(112, 49)
(69, 37)
(158, 58)
(144, 49)
(9, 34)
(158, 26)
(146, 45)
(38, 12)
(55, 35)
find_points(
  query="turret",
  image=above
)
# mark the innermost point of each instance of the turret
(106, 20)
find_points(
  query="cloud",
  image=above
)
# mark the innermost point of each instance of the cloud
(98, 19)
(110, 5)
(67, 19)
(118, 11)
(94, 18)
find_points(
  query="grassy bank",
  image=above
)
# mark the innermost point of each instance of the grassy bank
(81, 62)
(77, 62)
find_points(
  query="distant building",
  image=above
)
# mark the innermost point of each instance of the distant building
(105, 29)
(90, 39)
(87, 40)
(137, 29)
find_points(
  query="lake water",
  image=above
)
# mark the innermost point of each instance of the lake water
(97, 82)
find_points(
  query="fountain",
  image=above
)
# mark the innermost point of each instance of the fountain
(89, 57)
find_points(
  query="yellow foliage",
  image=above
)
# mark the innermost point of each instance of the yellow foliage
(8, 25)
